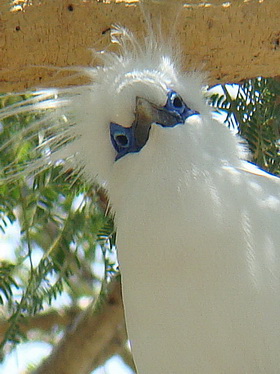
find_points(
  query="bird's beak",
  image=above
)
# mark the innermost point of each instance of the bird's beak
(146, 114)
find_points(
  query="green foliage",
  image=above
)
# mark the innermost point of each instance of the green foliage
(255, 113)
(63, 227)
(7, 281)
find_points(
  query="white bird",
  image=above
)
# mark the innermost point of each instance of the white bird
(197, 225)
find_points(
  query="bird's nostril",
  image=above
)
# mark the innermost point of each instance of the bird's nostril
(121, 140)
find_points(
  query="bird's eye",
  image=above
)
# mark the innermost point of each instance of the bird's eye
(121, 140)
(176, 104)
(177, 101)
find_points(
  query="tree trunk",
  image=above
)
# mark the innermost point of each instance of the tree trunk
(92, 338)
(41, 40)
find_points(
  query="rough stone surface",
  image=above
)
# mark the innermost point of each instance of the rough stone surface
(229, 40)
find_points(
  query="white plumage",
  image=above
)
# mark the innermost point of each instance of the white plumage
(197, 225)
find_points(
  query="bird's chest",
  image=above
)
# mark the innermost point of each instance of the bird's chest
(195, 268)
(186, 224)
(172, 229)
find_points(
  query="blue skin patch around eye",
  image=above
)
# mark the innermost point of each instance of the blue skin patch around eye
(176, 104)
(124, 139)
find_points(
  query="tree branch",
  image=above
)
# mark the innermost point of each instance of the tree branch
(232, 40)
(91, 339)
(44, 321)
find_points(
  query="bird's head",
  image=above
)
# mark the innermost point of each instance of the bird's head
(141, 112)
(131, 93)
